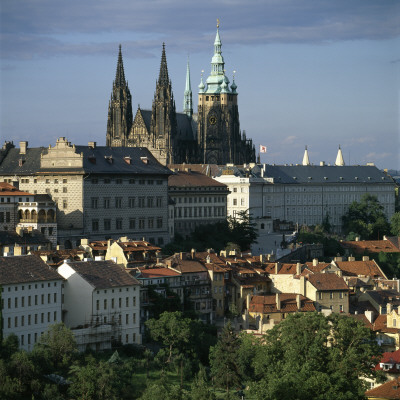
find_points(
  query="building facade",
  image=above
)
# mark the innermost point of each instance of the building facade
(304, 194)
(102, 304)
(31, 298)
(100, 192)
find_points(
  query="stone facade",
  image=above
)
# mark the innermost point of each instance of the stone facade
(100, 192)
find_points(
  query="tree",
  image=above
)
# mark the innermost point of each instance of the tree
(56, 348)
(310, 356)
(366, 218)
(200, 388)
(225, 368)
(242, 229)
(395, 224)
(172, 330)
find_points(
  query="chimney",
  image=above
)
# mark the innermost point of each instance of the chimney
(92, 145)
(222, 253)
(22, 147)
(357, 238)
(388, 308)
(369, 316)
(351, 258)
(123, 239)
(298, 269)
(17, 251)
(262, 258)
(322, 163)
(158, 257)
(339, 259)
(298, 301)
(315, 262)
(303, 285)
(277, 267)
(278, 301)
(193, 253)
(85, 242)
(365, 258)
(248, 298)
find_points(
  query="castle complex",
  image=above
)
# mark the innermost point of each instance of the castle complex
(211, 136)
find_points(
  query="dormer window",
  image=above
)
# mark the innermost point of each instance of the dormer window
(109, 159)
(144, 160)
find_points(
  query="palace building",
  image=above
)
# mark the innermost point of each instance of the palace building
(211, 136)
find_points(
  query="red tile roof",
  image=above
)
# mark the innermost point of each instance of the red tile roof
(327, 282)
(9, 190)
(390, 357)
(371, 246)
(267, 304)
(389, 390)
(193, 179)
(361, 268)
(149, 273)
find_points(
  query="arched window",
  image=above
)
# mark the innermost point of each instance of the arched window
(34, 215)
(42, 216)
(50, 216)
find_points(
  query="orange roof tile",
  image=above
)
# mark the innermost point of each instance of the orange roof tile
(158, 272)
(389, 390)
(267, 304)
(370, 246)
(9, 190)
(327, 282)
(361, 268)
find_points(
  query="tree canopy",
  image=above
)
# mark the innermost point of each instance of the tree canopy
(395, 224)
(310, 356)
(366, 218)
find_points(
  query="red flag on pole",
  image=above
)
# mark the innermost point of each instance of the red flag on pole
(263, 149)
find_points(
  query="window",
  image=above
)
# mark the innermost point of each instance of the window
(141, 223)
(22, 320)
(118, 181)
(112, 303)
(134, 301)
(29, 301)
(159, 222)
(65, 180)
(141, 181)
(95, 181)
(341, 294)
(127, 318)
(48, 298)
(127, 302)
(106, 202)
(341, 310)
(65, 204)
(42, 299)
(141, 202)
(118, 202)
(97, 305)
(150, 182)
(64, 189)
(105, 304)
(95, 202)
(131, 202)
(36, 319)
(29, 319)
(120, 302)
(234, 202)
(319, 295)
(107, 180)
(150, 202)
(95, 224)
(331, 295)
(55, 315)
(132, 223)
(118, 223)
(107, 224)
(134, 318)
(150, 223)
(16, 302)
(131, 181)
(36, 298)
(42, 318)
(159, 201)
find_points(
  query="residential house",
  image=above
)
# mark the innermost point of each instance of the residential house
(31, 298)
(387, 391)
(102, 304)
(22, 241)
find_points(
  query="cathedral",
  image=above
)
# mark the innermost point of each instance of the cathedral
(212, 136)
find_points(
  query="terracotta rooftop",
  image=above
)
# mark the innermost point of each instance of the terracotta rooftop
(193, 179)
(149, 273)
(380, 324)
(362, 318)
(390, 357)
(103, 274)
(267, 304)
(138, 245)
(370, 246)
(185, 266)
(9, 190)
(389, 390)
(317, 268)
(23, 269)
(361, 268)
(327, 282)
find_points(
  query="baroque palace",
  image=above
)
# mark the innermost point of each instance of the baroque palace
(211, 136)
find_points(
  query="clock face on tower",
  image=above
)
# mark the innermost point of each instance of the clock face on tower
(212, 120)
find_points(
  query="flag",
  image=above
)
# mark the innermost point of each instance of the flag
(263, 149)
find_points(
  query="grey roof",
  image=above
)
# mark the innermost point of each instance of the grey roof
(35, 237)
(94, 161)
(21, 269)
(187, 127)
(103, 274)
(300, 174)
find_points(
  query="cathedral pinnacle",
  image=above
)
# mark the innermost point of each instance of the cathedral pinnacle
(187, 101)
(163, 78)
(339, 158)
(120, 74)
(306, 160)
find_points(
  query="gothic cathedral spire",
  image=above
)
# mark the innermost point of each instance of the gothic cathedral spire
(187, 101)
(119, 121)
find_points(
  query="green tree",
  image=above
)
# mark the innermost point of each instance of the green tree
(310, 356)
(162, 390)
(172, 330)
(366, 218)
(56, 348)
(225, 368)
(395, 224)
(243, 229)
(200, 388)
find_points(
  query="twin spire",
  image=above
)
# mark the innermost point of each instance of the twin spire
(163, 79)
(187, 101)
(120, 74)
(339, 158)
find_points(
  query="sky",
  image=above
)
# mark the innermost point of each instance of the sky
(315, 73)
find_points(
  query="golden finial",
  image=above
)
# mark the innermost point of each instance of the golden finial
(217, 23)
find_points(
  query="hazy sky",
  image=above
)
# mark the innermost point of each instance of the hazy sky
(317, 73)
